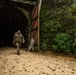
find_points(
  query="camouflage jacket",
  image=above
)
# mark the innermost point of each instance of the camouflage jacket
(18, 38)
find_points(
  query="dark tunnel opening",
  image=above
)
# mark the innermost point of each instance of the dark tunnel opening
(11, 20)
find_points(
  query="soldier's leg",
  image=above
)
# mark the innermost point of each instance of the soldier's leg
(18, 50)
(32, 48)
(19, 47)
(29, 47)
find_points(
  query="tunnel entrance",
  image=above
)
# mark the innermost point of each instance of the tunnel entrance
(11, 20)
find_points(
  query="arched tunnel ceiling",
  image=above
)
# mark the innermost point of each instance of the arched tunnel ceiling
(29, 2)
(12, 14)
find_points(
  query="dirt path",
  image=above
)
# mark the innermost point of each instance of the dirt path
(32, 63)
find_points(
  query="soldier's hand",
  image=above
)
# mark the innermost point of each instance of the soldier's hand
(23, 41)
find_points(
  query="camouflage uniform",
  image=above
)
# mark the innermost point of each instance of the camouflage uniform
(18, 39)
(31, 46)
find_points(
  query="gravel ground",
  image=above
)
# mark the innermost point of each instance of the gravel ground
(33, 63)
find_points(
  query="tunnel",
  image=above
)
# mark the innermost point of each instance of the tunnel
(11, 20)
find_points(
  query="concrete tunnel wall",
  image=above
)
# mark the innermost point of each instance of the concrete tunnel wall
(11, 20)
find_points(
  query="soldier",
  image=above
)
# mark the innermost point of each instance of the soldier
(31, 46)
(18, 39)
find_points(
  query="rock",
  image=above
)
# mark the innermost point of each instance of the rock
(73, 69)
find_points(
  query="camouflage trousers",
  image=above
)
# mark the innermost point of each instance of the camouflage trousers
(18, 45)
(31, 47)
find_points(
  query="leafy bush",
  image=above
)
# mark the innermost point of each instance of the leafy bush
(44, 46)
(62, 42)
(74, 44)
(74, 47)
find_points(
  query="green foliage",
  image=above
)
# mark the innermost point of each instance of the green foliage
(62, 42)
(57, 16)
(43, 46)
(74, 44)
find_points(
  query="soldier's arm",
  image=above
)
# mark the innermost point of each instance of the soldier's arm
(23, 39)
